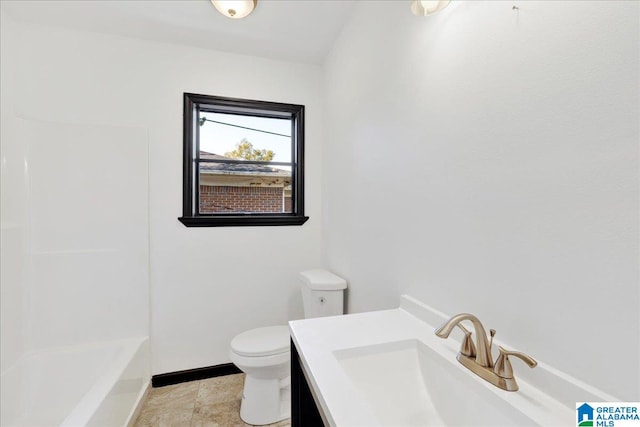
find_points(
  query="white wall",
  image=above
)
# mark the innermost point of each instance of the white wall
(207, 284)
(486, 160)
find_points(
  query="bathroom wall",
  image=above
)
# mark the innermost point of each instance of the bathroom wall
(485, 159)
(206, 284)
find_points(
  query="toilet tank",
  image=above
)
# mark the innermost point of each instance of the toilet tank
(322, 293)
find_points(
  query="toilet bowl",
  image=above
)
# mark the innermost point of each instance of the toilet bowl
(263, 354)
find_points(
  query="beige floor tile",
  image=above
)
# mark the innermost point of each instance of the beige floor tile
(227, 388)
(214, 402)
(164, 417)
(226, 414)
(174, 396)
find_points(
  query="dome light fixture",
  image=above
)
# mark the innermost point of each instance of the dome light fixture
(428, 7)
(235, 9)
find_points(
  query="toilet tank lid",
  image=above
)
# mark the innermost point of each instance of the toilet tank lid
(323, 280)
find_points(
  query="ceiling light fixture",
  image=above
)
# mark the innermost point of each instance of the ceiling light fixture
(428, 7)
(235, 9)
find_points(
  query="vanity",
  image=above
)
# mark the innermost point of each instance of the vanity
(388, 368)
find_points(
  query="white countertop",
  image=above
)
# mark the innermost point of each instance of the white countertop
(342, 404)
(317, 339)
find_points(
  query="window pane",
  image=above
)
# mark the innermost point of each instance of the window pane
(238, 188)
(243, 137)
(243, 162)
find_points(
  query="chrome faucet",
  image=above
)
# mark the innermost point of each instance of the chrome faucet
(480, 362)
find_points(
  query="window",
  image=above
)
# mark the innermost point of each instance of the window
(243, 162)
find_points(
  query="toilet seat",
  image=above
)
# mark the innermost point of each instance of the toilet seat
(262, 342)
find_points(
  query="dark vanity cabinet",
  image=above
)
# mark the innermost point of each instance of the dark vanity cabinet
(304, 408)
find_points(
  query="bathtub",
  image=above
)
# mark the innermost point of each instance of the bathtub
(98, 384)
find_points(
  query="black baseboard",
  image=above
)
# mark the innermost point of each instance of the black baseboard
(171, 378)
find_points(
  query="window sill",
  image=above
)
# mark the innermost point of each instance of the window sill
(241, 221)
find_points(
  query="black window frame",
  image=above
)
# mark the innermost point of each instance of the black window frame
(191, 216)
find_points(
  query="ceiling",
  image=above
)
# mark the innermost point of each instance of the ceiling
(291, 30)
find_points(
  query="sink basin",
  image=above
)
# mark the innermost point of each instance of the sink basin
(388, 368)
(407, 383)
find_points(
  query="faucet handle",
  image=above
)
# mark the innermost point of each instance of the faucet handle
(503, 367)
(467, 348)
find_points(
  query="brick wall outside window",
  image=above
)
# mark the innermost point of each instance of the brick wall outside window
(220, 199)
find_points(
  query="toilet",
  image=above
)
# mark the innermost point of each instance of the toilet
(263, 354)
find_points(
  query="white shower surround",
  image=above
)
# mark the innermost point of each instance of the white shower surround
(75, 290)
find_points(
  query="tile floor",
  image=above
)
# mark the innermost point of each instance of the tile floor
(214, 402)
